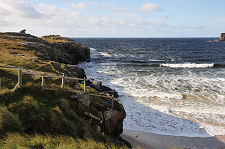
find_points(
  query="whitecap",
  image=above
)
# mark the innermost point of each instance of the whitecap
(188, 65)
(104, 54)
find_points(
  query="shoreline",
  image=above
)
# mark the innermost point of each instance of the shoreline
(147, 140)
(175, 135)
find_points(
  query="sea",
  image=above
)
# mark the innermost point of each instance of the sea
(168, 86)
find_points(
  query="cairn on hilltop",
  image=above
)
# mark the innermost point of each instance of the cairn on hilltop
(23, 31)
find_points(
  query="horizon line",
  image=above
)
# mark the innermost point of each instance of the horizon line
(143, 37)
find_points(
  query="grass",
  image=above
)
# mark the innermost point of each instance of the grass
(9, 122)
(19, 141)
(32, 118)
(54, 112)
(57, 118)
(55, 38)
(14, 54)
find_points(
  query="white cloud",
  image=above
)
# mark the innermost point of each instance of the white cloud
(78, 5)
(19, 8)
(45, 19)
(150, 7)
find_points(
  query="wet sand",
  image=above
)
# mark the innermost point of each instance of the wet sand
(147, 140)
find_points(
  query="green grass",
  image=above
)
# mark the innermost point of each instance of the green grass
(51, 112)
(32, 118)
(12, 53)
(57, 118)
(19, 141)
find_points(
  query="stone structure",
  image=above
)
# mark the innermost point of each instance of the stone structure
(222, 36)
(23, 31)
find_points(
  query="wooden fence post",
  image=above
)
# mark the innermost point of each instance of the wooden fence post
(19, 77)
(19, 84)
(84, 84)
(63, 81)
(42, 82)
(112, 102)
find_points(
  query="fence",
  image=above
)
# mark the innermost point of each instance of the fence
(43, 83)
(43, 76)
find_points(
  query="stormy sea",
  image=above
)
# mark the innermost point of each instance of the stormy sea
(170, 86)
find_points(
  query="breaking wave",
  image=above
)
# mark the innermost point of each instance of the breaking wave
(167, 86)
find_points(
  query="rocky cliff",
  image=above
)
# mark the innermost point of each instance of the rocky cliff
(60, 49)
(56, 54)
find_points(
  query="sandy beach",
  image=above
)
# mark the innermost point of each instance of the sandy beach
(147, 140)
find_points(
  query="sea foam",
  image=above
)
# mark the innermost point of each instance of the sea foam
(188, 65)
(179, 102)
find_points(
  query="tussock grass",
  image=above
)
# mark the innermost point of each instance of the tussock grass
(19, 141)
(9, 122)
(53, 111)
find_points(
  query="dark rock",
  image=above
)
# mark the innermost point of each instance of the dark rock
(23, 31)
(77, 52)
(218, 40)
(96, 85)
(74, 71)
(110, 91)
(99, 87)
(113, 121)
(83, 98)
(222, 38)
(68, 70)
(123, 142)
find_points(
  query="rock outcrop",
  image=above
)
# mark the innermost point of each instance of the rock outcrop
(222, 38)
(68, 70)
(61, 49)
(113, 121)
(99, 87)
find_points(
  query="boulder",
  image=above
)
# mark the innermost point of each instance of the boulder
(113, 121)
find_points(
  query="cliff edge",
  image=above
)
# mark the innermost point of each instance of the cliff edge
(54, 111)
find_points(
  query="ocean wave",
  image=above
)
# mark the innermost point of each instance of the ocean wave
(183, 96)
(188, 65)
(171, 65)
(104, 54)
(93, 49)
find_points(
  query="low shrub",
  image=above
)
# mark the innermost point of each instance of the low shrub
(9, 121)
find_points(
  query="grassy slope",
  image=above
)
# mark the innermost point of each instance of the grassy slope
(49, 119)
(50, 142)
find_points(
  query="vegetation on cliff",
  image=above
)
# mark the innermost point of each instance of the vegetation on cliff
(54, 118)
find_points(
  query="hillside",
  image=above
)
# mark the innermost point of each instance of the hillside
(55, 117)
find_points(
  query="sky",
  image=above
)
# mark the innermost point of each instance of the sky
(114, 18)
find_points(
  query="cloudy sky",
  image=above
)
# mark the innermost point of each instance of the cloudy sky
(114, 18)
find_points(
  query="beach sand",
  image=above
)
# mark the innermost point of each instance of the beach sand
(155, 141)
